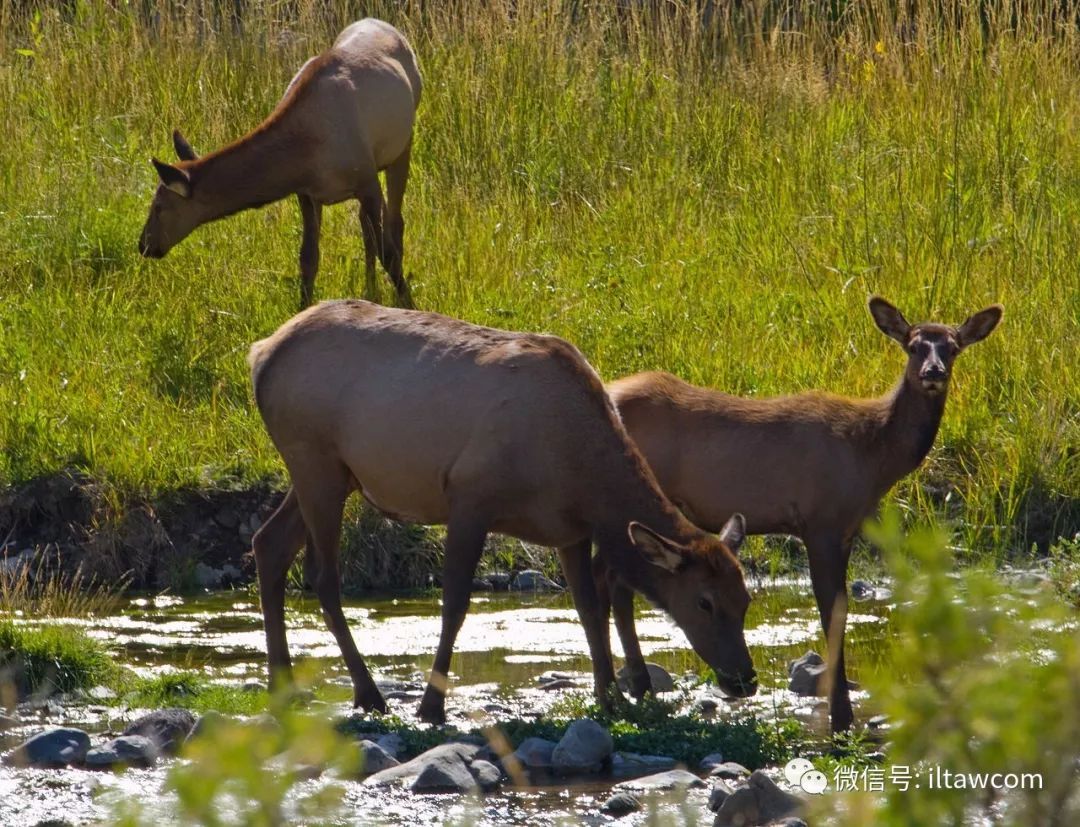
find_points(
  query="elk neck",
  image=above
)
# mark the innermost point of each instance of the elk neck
(262, 167)
(910, 422)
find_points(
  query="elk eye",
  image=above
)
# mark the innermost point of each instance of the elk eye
(704, 604)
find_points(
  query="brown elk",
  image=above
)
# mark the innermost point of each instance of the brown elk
(438, 421)
(811, 465)
(347, 115)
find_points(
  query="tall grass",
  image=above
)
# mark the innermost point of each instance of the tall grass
(715, 197)
(48, 592)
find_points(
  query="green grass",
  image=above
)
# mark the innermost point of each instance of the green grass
(192, 691)
(715, 204)
(41, 660)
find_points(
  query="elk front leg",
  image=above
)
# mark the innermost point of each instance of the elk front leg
(828, 574)
(594, 616)
(618, 597)
(465, 537)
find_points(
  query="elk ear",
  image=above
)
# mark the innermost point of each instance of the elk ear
(979, 326)
(183, 149)
(657, 549)
(733, 534)
(174, 178)
(889, 320)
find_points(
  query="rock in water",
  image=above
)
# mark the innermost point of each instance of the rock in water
(487, 775)
(729, 770)
(659, 677)
(373, 758)
(444, 768)
(167, 728)
(53, 748)
(584, 748)
(444, 775)
(630, 763)
(127, 750)
(670, 780)
(759, 802)
(721, 791)
(620, 804)
(805, 674)
(535, 753)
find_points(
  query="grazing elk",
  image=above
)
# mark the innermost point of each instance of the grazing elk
(812, 465)
(438, 421)
(347, 115)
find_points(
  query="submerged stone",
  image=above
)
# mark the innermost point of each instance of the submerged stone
(670, 780)
(659, 678)
(127, 750)
(630, 763)
(805, 674)
(167, 728)
(58, 747)
(620, 804)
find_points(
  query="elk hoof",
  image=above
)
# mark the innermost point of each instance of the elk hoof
(372, 702)
(432, 708)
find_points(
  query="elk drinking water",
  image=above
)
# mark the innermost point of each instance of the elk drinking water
(437, 421)
(347, 115)
(811, 465)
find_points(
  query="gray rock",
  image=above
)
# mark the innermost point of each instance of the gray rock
(54, 748)
(562, 683)
(584, 748)
(499, 580)
(444, 776)
(759, 802)
(482, 584)
(551, 676)
(740, 809)
(878, 722)
(443, 768)
(374, 758)
(531, 580)
(787, 822)
(127, 750)
(670, 780)
(487, 775)
(620, 804)
(392, 744)
(659, 677)
(253, 685)
(729, 770)
(805, 674)
(861, 590)
(535, 753)
(167, 728)
(711, 762)
(630, 763)
(720, 792)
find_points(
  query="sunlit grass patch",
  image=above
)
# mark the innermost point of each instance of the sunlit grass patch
(41, 660)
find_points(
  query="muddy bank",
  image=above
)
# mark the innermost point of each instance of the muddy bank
(193, 539)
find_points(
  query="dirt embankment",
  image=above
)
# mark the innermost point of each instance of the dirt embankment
(186, 539)
(201, 538)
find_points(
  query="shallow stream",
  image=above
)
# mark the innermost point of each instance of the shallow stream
(506, 643)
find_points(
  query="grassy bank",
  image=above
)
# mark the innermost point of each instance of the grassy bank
(718, 203)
